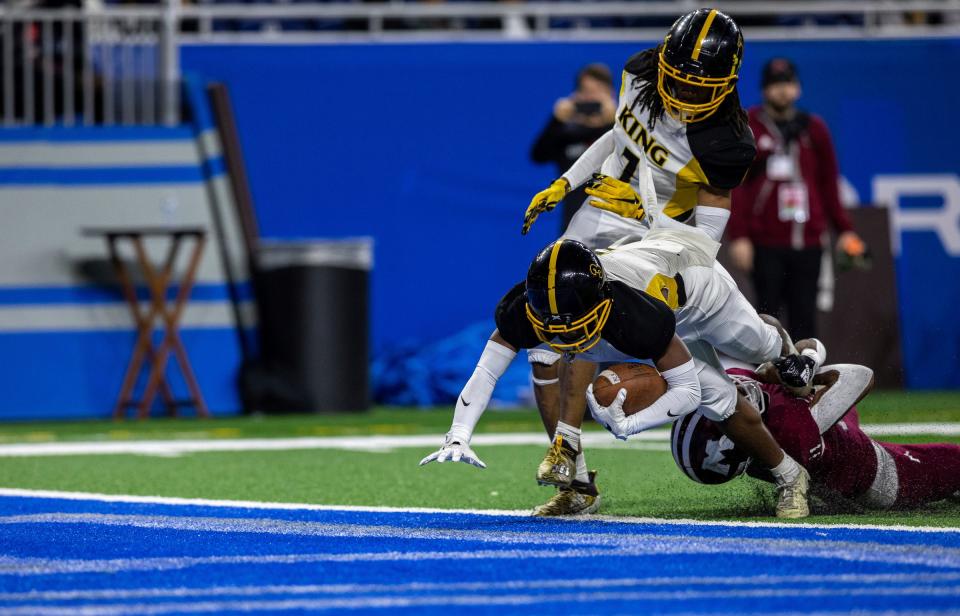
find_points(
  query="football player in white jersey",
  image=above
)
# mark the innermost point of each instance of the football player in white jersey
(658, 299)
(679, 110)
(681, 139)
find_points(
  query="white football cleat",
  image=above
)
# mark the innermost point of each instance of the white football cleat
(792, 497)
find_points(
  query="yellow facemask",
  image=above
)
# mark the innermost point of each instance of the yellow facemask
(587, 329)
(716, 89)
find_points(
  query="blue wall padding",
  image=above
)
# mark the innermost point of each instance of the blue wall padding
(85, 379)
(424, 146)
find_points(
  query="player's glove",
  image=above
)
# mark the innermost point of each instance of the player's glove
(614, 196)
(454, 451)
(544, 201)
(610, 417)
(795, 370)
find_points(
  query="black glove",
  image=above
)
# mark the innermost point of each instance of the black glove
(795, 370)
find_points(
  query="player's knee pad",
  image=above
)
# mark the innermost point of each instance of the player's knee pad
(543, 359)
(547, 357)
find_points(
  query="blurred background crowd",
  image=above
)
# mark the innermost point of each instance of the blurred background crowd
(515, 23)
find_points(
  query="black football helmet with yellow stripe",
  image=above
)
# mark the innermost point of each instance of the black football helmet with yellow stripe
(698, 64)
(567, 299)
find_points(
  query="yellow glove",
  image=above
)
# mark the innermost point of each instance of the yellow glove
(544, 201)
(614, 196)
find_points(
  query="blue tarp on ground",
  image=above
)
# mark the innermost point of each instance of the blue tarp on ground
(434, 374)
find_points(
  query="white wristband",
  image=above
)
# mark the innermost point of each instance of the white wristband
(818, 355)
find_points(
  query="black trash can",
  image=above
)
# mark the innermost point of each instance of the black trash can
(312, 300)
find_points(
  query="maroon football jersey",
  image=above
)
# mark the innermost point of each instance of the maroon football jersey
(843, 459)
(925, 473)
(849, 461)
(788, 419)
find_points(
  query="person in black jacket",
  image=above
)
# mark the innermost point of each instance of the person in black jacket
(577, 121)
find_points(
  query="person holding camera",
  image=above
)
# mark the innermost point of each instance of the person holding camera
(577, 121)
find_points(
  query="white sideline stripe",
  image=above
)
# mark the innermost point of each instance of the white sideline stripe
(350, 589)
(263, 505)
(655, 439)
(239, 504)
(388, 602)
(907, 429)
(652, 440)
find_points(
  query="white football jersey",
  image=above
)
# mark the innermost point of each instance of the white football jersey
(673, 168)
(682, 156)
(653, 264)
(667, 163)
(676, 264)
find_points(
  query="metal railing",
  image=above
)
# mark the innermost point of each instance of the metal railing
(563, 20)
(72, 67)
(120, 65)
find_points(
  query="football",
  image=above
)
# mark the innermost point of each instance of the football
(642, 382)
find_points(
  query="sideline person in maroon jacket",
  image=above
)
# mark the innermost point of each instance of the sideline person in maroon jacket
(787, 200)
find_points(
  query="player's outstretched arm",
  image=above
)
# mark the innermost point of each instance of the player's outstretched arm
(844, 386)
(682, 396)
(589, 162)
(473, 401)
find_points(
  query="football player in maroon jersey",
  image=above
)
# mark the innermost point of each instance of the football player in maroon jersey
(822, 432)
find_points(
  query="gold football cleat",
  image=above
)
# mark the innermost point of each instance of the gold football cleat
(558, 466)
(579, 499)
(792, 498)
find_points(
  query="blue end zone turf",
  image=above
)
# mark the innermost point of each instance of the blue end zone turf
(120, 558)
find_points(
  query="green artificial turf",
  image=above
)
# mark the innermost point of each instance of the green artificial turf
(879, 407)
(633, 482)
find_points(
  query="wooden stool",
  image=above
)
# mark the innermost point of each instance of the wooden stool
(159, 280)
